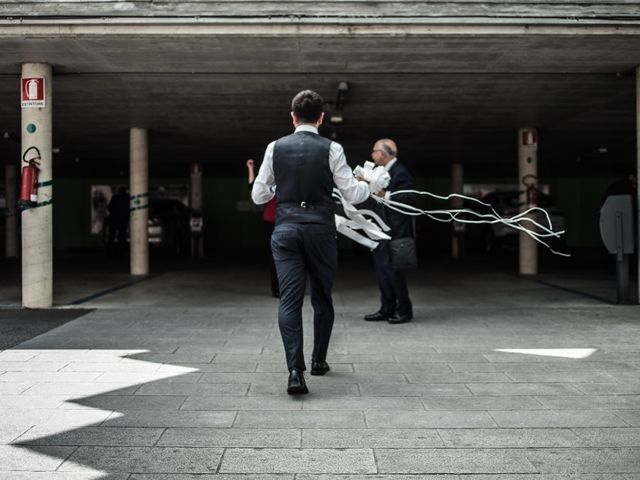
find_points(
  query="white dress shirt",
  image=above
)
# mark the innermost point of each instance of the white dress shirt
(354, 191)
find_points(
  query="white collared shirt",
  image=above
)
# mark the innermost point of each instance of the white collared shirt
(354, 191)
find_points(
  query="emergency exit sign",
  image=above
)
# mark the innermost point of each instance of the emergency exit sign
(32, 92)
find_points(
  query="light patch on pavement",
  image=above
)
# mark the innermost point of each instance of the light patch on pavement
(74, 416)
(576, 353)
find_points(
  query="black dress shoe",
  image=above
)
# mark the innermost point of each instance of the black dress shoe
(296, 382)
(379, 316)
(400, 318)
(319, 368)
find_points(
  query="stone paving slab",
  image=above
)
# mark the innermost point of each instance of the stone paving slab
(609, 437)
(453, 461)
(482, 403)
(298, 461)
(231, 437)
(33, 458)
(510, 438)
(591, 402)
(441, 419)
(144, 459)
(299, 419)
(589, 460)
(562, 419)
(168, 419)
(371, 438)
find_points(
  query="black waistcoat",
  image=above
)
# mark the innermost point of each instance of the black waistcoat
(304, 181)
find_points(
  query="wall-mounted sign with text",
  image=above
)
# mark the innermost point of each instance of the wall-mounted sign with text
(32, 92)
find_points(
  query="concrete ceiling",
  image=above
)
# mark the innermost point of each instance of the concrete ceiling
(221, 99)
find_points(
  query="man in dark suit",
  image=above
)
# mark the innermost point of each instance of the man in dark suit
(305, 167)
(395, 305)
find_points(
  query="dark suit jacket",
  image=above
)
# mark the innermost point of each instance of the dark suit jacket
(401, 225)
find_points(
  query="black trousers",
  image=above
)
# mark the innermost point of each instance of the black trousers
(394, 294)
(298, 250)
(268, 231)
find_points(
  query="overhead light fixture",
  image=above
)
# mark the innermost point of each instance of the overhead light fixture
(335, 119)
(343, 88)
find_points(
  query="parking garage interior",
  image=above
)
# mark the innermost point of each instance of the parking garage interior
(445, 99)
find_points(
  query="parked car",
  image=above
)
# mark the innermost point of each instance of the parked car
(507, 204)
(169, 225)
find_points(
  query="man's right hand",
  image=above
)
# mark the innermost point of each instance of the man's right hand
(250, 163)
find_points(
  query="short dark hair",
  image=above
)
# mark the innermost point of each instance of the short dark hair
(307, 106)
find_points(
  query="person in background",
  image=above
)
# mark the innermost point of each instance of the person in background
(395, 305)
(269, 217)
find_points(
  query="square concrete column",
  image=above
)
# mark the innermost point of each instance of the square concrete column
(37, 217)
(528, 178)
(139, 206)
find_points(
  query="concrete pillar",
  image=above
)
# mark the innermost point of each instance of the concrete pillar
(638, 159)
(528, 176)
(11, 197)
(139, 191)
(457, 233)
(37, 221)
(195, 202)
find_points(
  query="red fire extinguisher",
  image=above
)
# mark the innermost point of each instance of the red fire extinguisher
(29, 184)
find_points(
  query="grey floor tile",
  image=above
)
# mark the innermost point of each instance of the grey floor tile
(362, 403)
(227, 367)
(144, 459)
(37, 459)
(244, 403)
(416, 377)
(371, 438)
(198, 389)
(440, 419)
(632, 417)
(591, 402)
(560, 419)
(510, 438)
(566, 377)
(610, 388)
(169, 418)
(609, 437)
(414, 389)
(452, 461)
(130, 402)
(500, 389)
(231, 437)
(482, 403)
(302, 419)
(95, 436)
(587, 460)
(379, 476)
(298, 461)
(433, 368)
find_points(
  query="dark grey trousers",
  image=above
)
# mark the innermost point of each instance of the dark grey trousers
(394, 293)
(300, 249)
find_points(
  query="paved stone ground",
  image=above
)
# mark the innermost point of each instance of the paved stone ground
(182, 377)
